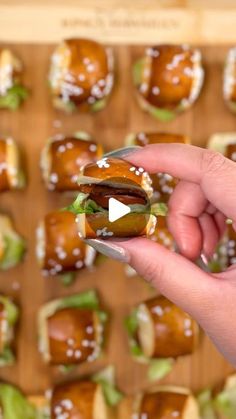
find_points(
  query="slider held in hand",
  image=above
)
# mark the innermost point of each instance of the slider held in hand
(109, 180)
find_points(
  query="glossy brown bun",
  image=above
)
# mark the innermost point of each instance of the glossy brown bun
(81, 75)
(59, 248)
(79, 399)
(170, 77)
(145, 138)
(97, 225)
(165, 330)
(62, 158)
(73, 336)
(229, 80)
(163, 184)
(111, 176)
(11, 173)
(168, 402)
(230, 152)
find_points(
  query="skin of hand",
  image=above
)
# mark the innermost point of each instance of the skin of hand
(204, 197)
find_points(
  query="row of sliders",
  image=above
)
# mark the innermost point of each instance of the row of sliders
(96, 397)
(168, 78)
(88, 215)
(74, 330)
(63, 159)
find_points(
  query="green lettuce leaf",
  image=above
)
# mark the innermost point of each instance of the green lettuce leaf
(206, 406)
(159, 368)
(99, 105)
(103, 316)
(106, 379)
(68, 278)
(131, 323)
(84, 300)
(14, 404)
(7, 357)
(83, 206)
(137, 71)
(225, 402)
(14, 97)
(15, 247)
(11, 309)
(159, 209)
(163, 115)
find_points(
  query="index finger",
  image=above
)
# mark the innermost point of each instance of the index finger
(215, 174)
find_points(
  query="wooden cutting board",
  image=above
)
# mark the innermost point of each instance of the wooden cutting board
(31, 126)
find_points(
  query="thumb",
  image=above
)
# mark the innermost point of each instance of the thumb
(174, 276)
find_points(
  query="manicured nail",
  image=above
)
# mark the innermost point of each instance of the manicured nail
(122, 152)
(203, 263)
(110, 250)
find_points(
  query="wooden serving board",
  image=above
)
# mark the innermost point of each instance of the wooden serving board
(31, 126)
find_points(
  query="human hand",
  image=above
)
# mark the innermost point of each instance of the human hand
(204, 197)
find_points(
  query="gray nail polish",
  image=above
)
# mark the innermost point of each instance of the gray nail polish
(122, 152)
(109, 249)
(203, 263)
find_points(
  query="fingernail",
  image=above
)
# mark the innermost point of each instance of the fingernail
(109, 249)
(122, 152)
(204, 258)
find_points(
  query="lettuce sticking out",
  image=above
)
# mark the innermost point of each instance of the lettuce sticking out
(225, 402)
(157, 368)
(206, 405)
(11, 309)
(14, 404)
(82, 205)
(14, 250)
(12, 314)
(84, 300)
(14, 97)
(68, 278)
(7, 357)
(106, 379)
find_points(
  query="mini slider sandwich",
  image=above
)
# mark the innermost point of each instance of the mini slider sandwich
(14, 405)
(71, 329)
(12, 245)
(114, 178)
(229, 80)
(63, 157)
(88, 398)
(9, 314)
(166, 402)
(159, 332)
(163, 184)
(12, 92)
(59, 248)
(11, 173)
(81, 75)
(168, 79)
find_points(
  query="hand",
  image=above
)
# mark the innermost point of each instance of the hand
(203, 198)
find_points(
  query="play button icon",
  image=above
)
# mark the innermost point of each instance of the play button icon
(117, 210)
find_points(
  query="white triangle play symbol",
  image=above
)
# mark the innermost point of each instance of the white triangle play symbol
(116, 210)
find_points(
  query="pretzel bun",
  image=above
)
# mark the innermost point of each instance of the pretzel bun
(81, 75)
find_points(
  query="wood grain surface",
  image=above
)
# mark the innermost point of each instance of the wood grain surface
(31, 126)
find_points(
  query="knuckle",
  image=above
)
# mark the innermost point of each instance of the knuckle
(212, 161)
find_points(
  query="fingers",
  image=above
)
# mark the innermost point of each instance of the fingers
(186, 204)
(174, 276)
(210, 234)
(212, 171)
